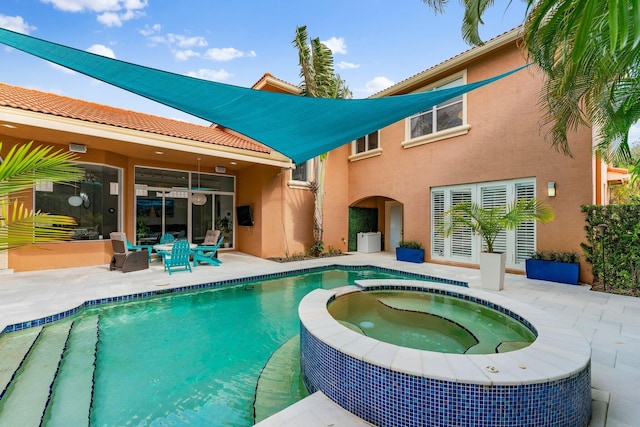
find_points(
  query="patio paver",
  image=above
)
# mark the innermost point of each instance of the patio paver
(611, 323)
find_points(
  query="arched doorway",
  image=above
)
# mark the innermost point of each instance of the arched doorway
(376, 213)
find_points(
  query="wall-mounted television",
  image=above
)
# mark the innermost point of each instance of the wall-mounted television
(243, 215)
(153, 207)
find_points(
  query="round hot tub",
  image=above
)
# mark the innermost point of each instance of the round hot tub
(430, 321)
(410, 353)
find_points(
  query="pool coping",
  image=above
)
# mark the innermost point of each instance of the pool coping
(557, 353)
(211, 285)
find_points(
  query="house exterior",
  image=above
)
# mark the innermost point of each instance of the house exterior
(486, 146)
(142, 173)
(145, 174)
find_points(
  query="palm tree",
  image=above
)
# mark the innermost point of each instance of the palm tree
(489, 222)
(22, 167)
(319, 80)
(590, 53)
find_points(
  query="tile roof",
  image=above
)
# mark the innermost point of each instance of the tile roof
(62, 106)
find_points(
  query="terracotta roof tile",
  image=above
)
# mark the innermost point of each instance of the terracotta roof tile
(62, 106)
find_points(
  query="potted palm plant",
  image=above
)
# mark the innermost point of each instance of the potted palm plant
(488, 223)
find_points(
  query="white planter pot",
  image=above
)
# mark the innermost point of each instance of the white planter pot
(492, 270)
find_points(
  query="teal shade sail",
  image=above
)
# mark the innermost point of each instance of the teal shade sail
(296, 126)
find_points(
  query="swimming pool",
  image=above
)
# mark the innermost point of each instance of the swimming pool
(189, 358)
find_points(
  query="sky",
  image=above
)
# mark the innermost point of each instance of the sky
(375, 43)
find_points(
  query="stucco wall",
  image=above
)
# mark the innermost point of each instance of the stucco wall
(336, 205)
(505, 142)
(283, 215)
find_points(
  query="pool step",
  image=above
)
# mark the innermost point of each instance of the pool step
(70, 401)
(14, 348)
(279, 380)
(26, 397)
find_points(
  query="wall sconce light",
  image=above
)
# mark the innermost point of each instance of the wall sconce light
(551, 189)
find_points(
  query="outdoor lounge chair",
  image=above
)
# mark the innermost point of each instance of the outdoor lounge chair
(125, 260)
(133, 248)
(207, 253)
(179, 257)
(211, 238)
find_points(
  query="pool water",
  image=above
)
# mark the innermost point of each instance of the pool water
(195, 358)
(432, 322)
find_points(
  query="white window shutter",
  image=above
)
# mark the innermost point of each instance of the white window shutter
(462, 245)
(495, 197)
(437, 214)
(526, 232)
(462, 238)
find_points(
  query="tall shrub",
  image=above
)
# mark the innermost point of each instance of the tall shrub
(615, 256)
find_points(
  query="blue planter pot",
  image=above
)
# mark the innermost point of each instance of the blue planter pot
(553, 271)
(410, 255)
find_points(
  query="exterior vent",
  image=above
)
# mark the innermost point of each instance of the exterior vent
(77, 148)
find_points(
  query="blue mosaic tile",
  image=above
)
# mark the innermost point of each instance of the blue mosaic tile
(388, 398)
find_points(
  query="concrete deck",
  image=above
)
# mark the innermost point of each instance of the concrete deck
(611, 323)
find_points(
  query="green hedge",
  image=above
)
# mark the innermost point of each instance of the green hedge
(620, 266)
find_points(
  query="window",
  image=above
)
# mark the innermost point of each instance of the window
(94, 202)
(365, 147)
(302, 175)
(440, 117)
(366, 143)
(463, 245)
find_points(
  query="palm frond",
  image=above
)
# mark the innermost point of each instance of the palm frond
(301, 42)
(489, 222)
(25, 165)
(584, 47)
(20, 226)
(22, 167)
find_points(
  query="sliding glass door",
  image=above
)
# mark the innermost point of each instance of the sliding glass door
(185, 204)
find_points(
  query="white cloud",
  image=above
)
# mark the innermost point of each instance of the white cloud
(343, 65)
(15, 23)
(97, 5)
(183, 55)
(81, 5)
(110, 19)
(337, 45)
(100, 49)
(150, 30)
(227, 54)
(184, 41)
(208, 74)
(377, 84)
(111, 13)
(135, 4)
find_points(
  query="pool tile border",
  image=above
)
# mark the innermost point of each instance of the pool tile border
(209, 285)
(547, 383)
